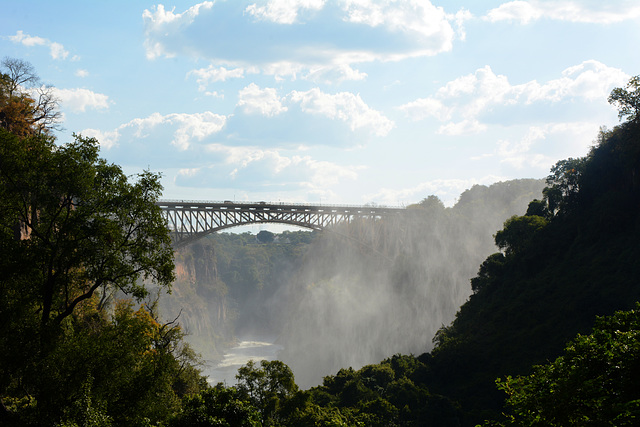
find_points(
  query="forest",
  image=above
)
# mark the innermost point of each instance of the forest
(545, 333)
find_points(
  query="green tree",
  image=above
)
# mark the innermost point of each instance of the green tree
(593, 383)
(563, 185)
(516, 235)
(73, 228)
(489, 271)
(84, 228)
(267, 387)
(265, 236)
(125, 366)
(430, 203)
(27, 106)
(627, 100)
(217, 406)
(539, 208)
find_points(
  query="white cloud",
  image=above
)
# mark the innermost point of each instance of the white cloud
(521, 11)
(81, 73)
(78, 100)
(283, 69)
(188, 171)
(320, 119)
(107, 140)
(333, 37)
(326, 174)
(462, 101)
(460, 18)
(418, 18)
(591, 80)
(333, 74)
(56, 50)
(539, 147)
(160, 22)
(519, 153)
(423, 108)
(266, 102)
(283, 11)
(465, 127)
(343, 106)
(28, 40)
(194, 126)
(525, 12)
(212, 74)
(186, 128)
(269, 168)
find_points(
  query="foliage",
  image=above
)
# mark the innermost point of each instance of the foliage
(489, 270)
(267, 387)
(253, 272)
(430, 203)
(517, 233)
(593, 383)
(217, 406)
(265, 236)
(627, 100)
(74, 233)
(76, 226)
(385, 394)
(564, 185)
(27, 107)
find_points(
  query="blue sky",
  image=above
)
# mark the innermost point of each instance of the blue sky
(345, 101)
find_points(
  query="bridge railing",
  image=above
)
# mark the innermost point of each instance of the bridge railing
(247, 203)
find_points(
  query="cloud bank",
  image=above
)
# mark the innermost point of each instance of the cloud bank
(465, 102)
(313, 39)
(56, 50)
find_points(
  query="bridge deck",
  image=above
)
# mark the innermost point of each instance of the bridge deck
(270, 206)
(191, 219)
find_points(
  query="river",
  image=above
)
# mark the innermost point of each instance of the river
(247, 349)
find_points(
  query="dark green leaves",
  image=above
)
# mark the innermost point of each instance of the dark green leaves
(593, 383)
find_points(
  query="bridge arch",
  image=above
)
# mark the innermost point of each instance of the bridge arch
(192, 220)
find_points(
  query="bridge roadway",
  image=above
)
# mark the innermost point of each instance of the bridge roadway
(190, 220)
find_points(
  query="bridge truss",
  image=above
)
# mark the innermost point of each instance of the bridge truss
(191, 220)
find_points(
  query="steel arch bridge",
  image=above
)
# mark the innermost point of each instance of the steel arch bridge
(191, 220)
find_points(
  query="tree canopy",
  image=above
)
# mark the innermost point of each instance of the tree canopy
(627, 100)
(27, 106)
(76, 235)
(592, 383)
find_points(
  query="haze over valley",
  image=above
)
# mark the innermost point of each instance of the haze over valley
(348, 296)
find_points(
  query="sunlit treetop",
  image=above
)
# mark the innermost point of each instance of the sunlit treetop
(627, 100)
(27, 107)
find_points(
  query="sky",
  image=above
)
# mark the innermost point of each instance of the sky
(332, 102)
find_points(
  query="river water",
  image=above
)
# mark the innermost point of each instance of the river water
(247, 349)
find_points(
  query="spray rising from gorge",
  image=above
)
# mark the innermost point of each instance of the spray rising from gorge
(348, 296)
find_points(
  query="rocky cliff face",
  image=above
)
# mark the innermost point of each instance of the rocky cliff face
(199, 297)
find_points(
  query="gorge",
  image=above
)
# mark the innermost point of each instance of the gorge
(348, 296)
